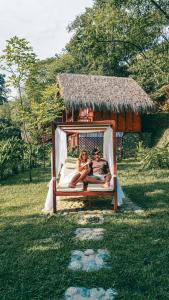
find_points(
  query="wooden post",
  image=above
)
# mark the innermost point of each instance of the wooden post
(78, 148)
(66, 115)
(114, 166)
(72, 114)
(54, 167)
(121, 148)
(62, 117)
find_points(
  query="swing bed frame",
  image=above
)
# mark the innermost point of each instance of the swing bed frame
(73, 127)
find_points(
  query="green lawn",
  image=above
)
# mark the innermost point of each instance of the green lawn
(35, 251)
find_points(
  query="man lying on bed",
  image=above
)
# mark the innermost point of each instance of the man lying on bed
(99, 170)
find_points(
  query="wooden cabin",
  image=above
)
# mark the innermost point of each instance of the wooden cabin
(89, 98)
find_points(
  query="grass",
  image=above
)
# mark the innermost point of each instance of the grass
(35, 251)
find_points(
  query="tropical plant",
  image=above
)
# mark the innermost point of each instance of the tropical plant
(8, 129)
(73, 152)
(11, 156)
(154, 158)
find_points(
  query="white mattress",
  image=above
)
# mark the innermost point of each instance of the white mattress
(98, 188)
(78, 188)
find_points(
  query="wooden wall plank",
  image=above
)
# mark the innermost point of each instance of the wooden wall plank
(136, 122)
(121, 122)
(114, 117)
(129, 121)
(125, 122)
(98, 116)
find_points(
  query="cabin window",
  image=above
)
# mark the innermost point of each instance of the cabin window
(86, 114)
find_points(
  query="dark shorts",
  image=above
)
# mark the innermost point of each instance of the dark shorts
(98, 176)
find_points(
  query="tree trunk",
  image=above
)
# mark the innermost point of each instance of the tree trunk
(44, 158)
(30, 162)
(2, 174)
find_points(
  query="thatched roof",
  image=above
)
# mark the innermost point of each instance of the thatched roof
(104, 93)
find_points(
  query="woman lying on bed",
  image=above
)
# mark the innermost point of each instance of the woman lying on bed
(83, 169)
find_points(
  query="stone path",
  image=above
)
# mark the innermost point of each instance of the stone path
(80, 293)
(83, 234)
(90, 260)
(91, 218)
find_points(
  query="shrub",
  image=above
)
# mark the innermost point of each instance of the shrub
(73, 152)
(8, 129)
(11, 156)
(154, 158)
(130, 144)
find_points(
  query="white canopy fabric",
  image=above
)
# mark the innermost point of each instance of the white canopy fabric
(60, 148)
(108, 155)
(61, 155)
(108, 147)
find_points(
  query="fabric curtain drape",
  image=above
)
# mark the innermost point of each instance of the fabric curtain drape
(60, 149)
(61, 155)
(108, 147)
(108, 155)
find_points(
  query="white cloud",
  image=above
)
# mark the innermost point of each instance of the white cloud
(42, 22)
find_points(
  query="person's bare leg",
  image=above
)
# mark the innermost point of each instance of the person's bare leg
(91, 179)
(82, 176)
(72, 184)
(107, 180)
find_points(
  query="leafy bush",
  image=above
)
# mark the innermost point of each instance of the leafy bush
(11, 156)
(39, 154)
(160, 120)
(73, 152)
(42, 154)
(130, 144)
(8, 129)
(154, 158)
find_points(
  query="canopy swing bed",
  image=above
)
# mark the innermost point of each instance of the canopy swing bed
(93, 104)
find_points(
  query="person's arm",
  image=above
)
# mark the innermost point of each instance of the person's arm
(79, 167)
(90, 167)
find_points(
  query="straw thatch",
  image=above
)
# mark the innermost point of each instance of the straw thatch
(116, 94)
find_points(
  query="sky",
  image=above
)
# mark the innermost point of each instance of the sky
(42, 22)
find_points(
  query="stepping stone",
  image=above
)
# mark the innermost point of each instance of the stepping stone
(81, 293)
(88, 260)
(86, 234)
(107, 212)
(91, 218)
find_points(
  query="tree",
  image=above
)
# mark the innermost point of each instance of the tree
(110, 34)
(161, 6)
(37, 101)
(45, 104)
(18, 60)
(44, 74)
(3, 90)
(38, 115)
(152, 72)
(123, 38)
